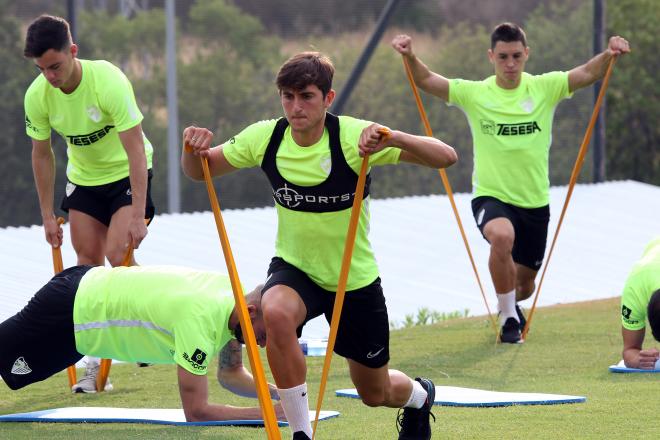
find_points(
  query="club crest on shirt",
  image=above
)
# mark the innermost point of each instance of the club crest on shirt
(326, 165)
(94, 113)
(487, 126)
(528, 105)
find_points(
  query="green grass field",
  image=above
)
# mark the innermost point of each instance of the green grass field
(568, 351)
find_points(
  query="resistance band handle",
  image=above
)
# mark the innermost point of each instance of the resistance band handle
(584, 147)
(58, 266)
(448, 190)
(263, 393)
(343, 278)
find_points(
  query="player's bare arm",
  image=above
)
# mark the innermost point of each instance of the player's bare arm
(197, 143)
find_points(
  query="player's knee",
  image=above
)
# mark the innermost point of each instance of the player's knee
(116, 257)
(501, 241)
(90, 260)
(278, 320)
(522, 293)
(373, 398)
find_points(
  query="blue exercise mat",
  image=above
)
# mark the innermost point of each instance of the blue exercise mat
(132, 415)
(621, 368)
(457, 396)
(313, 347)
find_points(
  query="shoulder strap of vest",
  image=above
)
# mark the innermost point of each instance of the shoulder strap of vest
(274, 142)
(332, 123)
(278, 132)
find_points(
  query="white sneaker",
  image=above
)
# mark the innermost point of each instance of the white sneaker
(88, 383)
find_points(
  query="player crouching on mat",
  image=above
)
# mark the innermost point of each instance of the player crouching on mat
(641, 300)
(157, 314)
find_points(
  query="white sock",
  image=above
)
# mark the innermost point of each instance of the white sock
(417, 396)
(91, 360)
(296, 408)
(507, 305)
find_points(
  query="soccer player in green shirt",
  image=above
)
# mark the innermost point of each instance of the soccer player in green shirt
(510, 116)
(157, 314)
(641, 299)
(91, 105)
(312, 159)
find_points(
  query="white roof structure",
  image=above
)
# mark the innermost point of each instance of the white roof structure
(422, 259)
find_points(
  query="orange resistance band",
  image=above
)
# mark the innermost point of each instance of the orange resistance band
(343, 277)
(265, 402)
(450, 193)
(58, 266)
(574, 175)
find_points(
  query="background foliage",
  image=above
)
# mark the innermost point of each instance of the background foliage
(229, 52)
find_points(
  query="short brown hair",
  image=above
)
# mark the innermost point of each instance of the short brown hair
(507, 33)
(45, 33)
(304, 69)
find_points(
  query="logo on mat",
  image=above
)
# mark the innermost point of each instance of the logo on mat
(70, 187)
(20, 367)
(372, 355)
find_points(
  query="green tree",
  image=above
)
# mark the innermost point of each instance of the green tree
(19, 198)
(633, 98)
(226, 83)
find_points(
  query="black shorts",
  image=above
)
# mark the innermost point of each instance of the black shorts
(102, 201)
(530, 226)
(39, 340)
(363, 334)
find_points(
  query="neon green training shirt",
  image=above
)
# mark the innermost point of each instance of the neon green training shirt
(643, 281)
(511, 133)
(89, 120)
(156, 314)
(314, 242)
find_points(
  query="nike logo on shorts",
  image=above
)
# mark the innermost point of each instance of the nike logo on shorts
(372, 355)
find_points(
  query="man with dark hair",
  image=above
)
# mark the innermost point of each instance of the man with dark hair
(641, 299)
(158, 314)
(510, 115)
(91, 104)
(312, 159)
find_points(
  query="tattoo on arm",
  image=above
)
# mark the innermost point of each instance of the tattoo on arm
(231, 356)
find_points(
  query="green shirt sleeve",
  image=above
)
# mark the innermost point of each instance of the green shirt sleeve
(554, 85)
(194, 348)
(350, 131)
(633, 314)
(460, 91)
(247, 148)
(119, 100)
(37, 125)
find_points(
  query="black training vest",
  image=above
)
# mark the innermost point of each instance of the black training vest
(335, 193)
